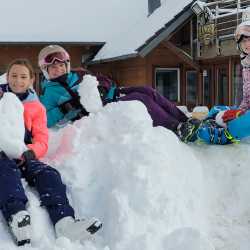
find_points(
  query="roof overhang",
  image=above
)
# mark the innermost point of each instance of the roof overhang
(118, 58)
(166, 31)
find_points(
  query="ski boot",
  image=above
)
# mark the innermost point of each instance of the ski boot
(211, 133)
(186, 131)
(77, 229)
(20, 227)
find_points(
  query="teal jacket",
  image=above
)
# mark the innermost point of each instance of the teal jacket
(54, 94)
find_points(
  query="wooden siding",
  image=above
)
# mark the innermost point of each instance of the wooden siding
(125, 72)
(138, 71)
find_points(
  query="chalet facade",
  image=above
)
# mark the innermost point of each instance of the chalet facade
(191, 61)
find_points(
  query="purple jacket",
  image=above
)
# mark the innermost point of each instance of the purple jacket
(245, 103)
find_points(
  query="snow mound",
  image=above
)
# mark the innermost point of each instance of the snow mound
(131, 175)
(11, 114)
(150, 190)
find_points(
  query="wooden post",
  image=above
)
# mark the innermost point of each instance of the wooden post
(230, 82)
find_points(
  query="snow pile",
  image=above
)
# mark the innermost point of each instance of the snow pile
(150, 190)
(227, 176)
(90, 97)
(203, 109)
(136, 189)
(3, 79)
(11, 114)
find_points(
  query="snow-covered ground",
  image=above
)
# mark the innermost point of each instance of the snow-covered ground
(150, 190)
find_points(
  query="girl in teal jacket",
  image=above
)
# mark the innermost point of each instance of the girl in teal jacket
(62, 90)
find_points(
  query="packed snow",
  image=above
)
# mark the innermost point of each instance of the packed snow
(90, 97)
(150, 190)
(11, 114)
(3, 78)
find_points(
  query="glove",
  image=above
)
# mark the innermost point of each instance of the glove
(104, 93)
(117, 93)
(27, 156)
(232, 114)
(70, 105)
(80, 114)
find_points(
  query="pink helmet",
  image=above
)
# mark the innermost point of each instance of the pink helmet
(51, 54)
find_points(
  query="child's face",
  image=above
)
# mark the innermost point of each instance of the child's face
(56, 70)
(19, 78)
(245, 44)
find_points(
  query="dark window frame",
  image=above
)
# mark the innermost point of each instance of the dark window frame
(166, 69)
(189, 103)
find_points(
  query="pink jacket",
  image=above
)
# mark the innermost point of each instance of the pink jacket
(245, 103)
(35, 121)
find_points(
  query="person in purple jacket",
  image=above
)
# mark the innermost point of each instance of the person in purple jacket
(62, 101)
(242, 36)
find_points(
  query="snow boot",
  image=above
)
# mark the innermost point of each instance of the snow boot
(211, 133)
(20, 227)
(186, 131)
(77, 229)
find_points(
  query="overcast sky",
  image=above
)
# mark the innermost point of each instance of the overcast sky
(66, 20)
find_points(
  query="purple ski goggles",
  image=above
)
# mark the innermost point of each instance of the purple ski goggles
(56, 57)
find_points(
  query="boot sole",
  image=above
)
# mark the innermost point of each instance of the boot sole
(24, 225)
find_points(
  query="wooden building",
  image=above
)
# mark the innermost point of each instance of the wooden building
(191, 60)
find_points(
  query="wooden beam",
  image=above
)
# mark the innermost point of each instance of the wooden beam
(230, 82)
(181, 55)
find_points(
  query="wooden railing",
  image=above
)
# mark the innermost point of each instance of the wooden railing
(225, 15)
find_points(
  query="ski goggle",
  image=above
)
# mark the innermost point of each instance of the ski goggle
(56, 57)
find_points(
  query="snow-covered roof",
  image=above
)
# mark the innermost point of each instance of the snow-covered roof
(122, 25)
(131, 38)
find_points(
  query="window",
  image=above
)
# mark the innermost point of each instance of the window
(237, 84)
(221, 85)
(152, 5)
(191, 78)
(167, 81)
(207, 87)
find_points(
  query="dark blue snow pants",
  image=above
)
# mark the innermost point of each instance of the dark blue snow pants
(44, 178)
(162, 111)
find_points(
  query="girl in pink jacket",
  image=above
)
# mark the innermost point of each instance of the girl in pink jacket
(43, 177)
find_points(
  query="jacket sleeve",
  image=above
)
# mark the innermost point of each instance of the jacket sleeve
(39, 132)
(245, 103)
(54, 115)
